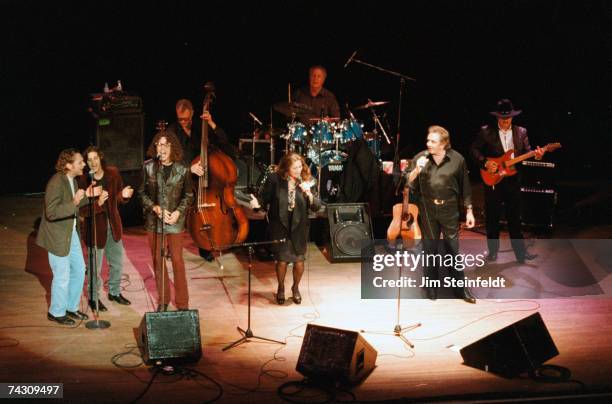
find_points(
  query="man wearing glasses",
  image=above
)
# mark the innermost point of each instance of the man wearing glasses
(166, 192)
(189, 134)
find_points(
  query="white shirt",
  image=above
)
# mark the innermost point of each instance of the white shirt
(71, 182)
(506, 139)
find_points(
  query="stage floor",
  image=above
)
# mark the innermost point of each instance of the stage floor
(90, 366)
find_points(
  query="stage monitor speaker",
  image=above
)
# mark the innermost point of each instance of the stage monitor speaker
(332, 355)
(349, 226)
(120, 137)
(518, 348)
(170, 337)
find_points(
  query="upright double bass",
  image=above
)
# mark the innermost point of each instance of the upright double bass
(216, 219)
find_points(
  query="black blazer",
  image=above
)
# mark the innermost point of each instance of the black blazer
(275, 197)
(488, 143)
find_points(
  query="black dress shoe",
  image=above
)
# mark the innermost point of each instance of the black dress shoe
(432, 293)
(297, 297)
(78, 315)
(280, 296)
(101, 306)
(467, 296)
(162, 307)
(65, 320)
(207, 255)
(492, 257)
(119, 299)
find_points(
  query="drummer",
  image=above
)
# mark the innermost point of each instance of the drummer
(322, 102)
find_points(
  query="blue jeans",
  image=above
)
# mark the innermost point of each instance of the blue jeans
(68, 278)
(114, 257)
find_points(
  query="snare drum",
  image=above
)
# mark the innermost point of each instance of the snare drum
(351, 129)
(323, 132)
(296, 132)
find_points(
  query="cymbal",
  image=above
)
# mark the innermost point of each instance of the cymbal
(371, 104)
(290, 108)
(328, 119)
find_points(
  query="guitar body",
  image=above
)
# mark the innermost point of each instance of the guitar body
(506, 163)
(404, 223)
(503, 170)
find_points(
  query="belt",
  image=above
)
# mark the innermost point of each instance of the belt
(437, 201)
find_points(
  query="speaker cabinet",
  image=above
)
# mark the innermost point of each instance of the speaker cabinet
(170, 337)
(518, 348)
(332, 355)
(120, 137)
(349, 226)
(538, 207)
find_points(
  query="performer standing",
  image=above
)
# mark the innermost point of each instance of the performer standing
(322, 102)
(289, 195)
(493, 141)
(109, 228)
(166, 193)
(189, 133)
(59, 236)
(439, 174)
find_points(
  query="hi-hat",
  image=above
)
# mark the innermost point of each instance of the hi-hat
(371, 104)
(290, 108)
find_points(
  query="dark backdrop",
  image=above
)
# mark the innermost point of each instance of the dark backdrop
(551, 58)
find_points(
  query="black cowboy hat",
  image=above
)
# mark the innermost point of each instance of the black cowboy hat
(505, 109)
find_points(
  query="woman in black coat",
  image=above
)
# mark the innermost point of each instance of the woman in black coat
(288, 195)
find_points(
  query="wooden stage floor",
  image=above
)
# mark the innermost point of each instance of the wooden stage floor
(32, 349)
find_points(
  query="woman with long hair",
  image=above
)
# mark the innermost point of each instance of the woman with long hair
(289, 194)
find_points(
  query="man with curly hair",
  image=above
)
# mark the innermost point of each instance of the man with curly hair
(166, 192)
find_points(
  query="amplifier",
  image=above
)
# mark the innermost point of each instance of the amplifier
(538, 206)
(537, 174)
(264, 149)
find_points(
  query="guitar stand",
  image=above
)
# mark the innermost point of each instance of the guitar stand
(247, 334)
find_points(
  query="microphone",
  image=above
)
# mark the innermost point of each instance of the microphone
(422, 165)
(255, 118)
(350, 59)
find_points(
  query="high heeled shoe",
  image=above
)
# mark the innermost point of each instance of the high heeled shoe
(297, 297)
(280, 296)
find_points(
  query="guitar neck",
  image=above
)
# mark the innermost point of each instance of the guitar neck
(520, 158)
(204, 152)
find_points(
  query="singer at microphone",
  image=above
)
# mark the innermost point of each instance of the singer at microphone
(288, 194)
(318, 100)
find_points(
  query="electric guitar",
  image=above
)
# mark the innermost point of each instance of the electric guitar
(505, 164)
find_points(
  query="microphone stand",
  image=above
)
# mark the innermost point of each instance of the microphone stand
(403, 78)
(248, 333)
(96, 323)
(162, 248)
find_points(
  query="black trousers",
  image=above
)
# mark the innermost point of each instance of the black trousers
(507, 194)
(433, 221)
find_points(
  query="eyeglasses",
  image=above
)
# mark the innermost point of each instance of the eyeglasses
(163, 145)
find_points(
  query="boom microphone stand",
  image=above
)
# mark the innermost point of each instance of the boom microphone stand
(403, 78)
(248, 333)
(96, 323)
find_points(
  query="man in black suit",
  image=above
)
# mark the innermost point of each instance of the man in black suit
(494, 141)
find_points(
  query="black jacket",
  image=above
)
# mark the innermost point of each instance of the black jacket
(488, 143)
(275, 197)
(174, 194)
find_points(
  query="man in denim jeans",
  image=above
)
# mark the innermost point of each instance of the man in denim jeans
(108, 225)
(59, 236)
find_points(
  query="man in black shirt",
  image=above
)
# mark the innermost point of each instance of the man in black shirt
(439, 174)
(321, 101)
(189, 133)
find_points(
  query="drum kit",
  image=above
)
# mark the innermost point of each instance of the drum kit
(324, 142)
